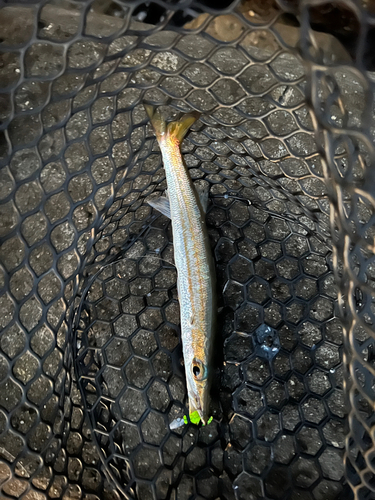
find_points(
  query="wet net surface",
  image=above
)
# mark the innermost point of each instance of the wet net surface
(91, 367)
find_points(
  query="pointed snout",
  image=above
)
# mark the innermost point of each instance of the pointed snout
(203, 416)
(197, 404)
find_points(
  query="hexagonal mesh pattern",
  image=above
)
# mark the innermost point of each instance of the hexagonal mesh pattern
(91, 372)
(348, 149)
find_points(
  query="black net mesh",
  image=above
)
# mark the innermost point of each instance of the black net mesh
(91, 375)
(346, 142)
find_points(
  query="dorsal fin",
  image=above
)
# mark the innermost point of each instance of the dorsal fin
(162, 205)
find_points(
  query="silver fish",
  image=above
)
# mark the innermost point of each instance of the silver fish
(192, 254)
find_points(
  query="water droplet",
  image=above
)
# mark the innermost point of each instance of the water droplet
(175, 424)
(267, 341)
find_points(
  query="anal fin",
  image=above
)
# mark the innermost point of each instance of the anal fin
(202, 192)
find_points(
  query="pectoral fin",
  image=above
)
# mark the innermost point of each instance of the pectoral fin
(162, 205)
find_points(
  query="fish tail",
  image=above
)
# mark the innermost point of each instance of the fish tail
(157, 121)
(174, 130)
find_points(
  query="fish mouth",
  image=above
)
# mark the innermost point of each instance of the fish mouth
(195, 405)
(203, 417)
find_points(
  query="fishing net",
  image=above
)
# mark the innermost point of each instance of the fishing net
(92, 384)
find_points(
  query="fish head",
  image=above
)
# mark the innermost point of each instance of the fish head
(199, 386)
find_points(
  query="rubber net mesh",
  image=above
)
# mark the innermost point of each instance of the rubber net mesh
(92, 384)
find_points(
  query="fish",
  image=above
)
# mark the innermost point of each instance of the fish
(186, 206)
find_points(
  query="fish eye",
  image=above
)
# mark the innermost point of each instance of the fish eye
(198, 369)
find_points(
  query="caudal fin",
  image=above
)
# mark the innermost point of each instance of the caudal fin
(174, 130)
